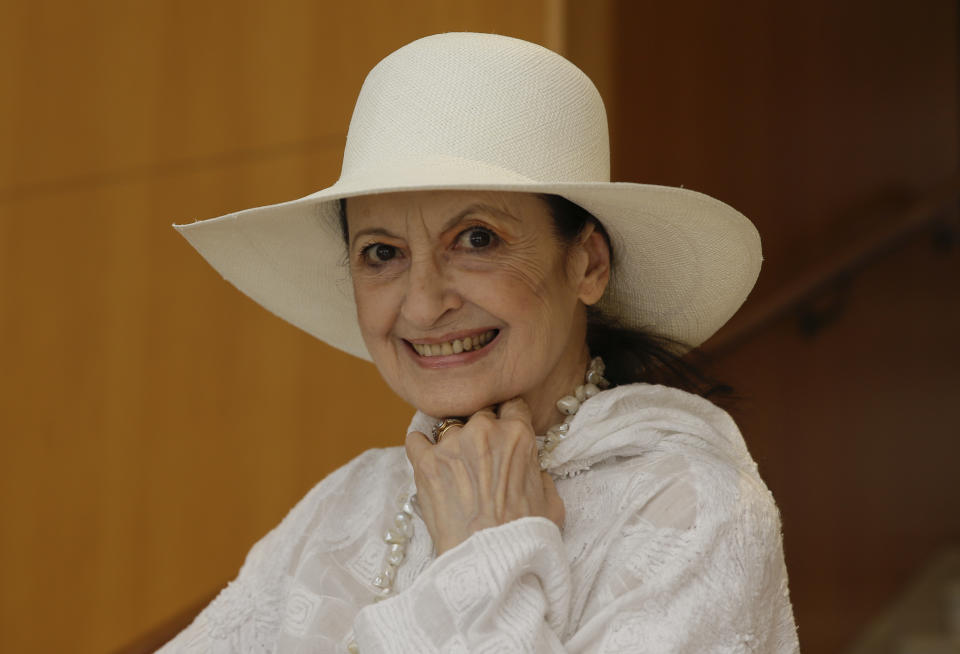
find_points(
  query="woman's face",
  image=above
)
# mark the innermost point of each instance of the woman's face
(467, 298)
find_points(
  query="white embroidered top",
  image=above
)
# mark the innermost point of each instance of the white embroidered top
(671, 544)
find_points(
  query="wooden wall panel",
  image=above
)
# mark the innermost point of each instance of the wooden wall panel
(804, 116)
(154, 422)
(100, 87)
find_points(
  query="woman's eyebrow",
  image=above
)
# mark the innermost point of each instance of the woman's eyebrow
(473, 208)
(380, 231)
(477, 208)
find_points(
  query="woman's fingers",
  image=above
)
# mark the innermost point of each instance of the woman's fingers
(417, 444)
(482, 474)
(516, 409)
(490, 410)
(447, 428)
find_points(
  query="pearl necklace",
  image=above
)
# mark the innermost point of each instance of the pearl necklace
(568, 405)
(398, 536)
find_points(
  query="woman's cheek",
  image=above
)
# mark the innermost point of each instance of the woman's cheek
(373, 309)
(522, 276)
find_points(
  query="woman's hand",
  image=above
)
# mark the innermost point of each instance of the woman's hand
(481, 475)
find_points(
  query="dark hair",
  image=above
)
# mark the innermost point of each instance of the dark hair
(630, 355)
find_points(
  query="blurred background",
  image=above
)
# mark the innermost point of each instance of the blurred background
(154, 422)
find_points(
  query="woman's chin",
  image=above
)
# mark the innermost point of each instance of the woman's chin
(458, 408)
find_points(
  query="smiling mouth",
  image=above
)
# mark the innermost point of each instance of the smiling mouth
(456, 346)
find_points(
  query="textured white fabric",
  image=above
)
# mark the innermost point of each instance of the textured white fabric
(484, 111)
(672, 544)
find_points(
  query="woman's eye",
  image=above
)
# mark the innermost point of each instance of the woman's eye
(379, 253)
(476, 238)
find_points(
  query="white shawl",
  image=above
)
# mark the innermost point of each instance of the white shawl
(671, 544)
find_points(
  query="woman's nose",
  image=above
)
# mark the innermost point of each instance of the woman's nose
(430, 295)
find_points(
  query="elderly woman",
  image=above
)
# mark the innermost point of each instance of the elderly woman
(549, 497)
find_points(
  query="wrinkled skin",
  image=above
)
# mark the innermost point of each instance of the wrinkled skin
(483, 475)
(433, 266)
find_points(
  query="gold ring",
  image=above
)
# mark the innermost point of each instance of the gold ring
(441, 427)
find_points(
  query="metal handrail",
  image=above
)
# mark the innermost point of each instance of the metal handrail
(820, 279)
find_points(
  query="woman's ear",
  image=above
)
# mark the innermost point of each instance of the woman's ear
(596, 275)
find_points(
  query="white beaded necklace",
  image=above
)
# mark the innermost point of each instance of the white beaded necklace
(398, 536)
(568, 405)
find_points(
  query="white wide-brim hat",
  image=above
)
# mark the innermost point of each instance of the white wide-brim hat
(487, 112)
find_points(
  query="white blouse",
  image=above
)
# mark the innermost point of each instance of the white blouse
(671, 544)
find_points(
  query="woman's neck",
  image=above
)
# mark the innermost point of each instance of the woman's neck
(561, 382)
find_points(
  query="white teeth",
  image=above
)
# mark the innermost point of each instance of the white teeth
(456, 346)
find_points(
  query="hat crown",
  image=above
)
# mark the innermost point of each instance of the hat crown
(482, 99)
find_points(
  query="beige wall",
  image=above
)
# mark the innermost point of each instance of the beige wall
(154, 421)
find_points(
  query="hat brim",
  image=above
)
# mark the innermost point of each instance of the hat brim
(684, 262)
